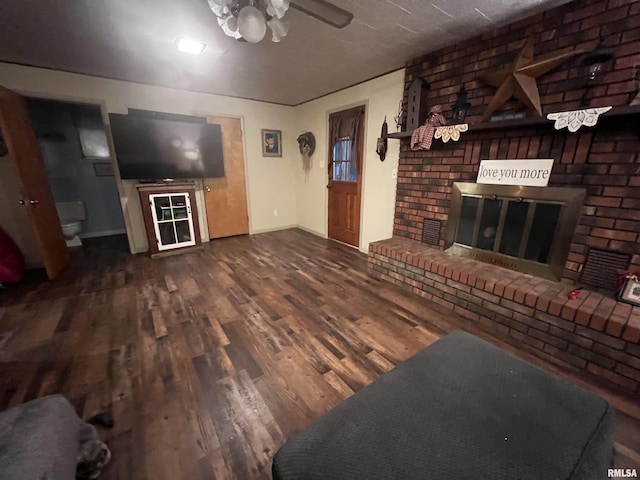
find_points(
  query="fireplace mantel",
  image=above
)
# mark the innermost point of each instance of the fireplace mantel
(615, 112)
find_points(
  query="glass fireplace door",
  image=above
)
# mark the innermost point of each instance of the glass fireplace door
(528, 229)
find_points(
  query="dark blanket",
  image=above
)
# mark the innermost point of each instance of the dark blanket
(459, 409)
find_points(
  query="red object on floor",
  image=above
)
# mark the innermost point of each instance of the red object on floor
(573, 294)
(11, 260)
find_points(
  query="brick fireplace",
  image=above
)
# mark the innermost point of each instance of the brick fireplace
(594, 331)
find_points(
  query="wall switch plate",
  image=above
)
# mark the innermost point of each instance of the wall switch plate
(321, 163)
(394, 174)
(275, 213)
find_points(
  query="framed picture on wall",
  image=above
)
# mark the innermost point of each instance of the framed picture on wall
(630, 292)
(271, 143)
(103, 169)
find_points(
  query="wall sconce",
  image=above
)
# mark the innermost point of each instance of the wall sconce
(595, 60)
(461, 107)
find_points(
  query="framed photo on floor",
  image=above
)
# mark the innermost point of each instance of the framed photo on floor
(271, 143)
(630, 292)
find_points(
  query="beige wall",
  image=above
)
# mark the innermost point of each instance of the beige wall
(270, 181)
(273, 183)
(381, 97)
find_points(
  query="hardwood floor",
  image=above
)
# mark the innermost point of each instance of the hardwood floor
(211, 359)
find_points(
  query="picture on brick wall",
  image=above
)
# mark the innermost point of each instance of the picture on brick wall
(630, 292)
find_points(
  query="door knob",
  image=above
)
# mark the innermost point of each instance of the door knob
(208, 189)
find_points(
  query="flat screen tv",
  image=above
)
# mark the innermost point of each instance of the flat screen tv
(150, 148)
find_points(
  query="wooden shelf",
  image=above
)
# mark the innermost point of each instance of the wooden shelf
(529, 121)
(399, 135)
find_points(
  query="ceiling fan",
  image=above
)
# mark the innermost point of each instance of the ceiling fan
(247, 20)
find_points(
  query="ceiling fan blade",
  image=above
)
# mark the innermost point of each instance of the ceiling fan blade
(324, 11)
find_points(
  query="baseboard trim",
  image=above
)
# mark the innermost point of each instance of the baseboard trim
(312, 232)
(275, 229)
(104, 233)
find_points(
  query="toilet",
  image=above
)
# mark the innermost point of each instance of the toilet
(72, 214)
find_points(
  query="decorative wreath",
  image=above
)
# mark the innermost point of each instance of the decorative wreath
(307, 144)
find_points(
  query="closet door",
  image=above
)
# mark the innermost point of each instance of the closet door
(226, 198)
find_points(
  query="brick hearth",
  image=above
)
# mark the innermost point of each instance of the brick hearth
(593, 332)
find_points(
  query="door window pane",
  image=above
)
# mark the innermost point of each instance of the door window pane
(344, 165)
(179, 206)
(183, 231)
(163, 208)
(167, 233)
(178, 200)
(543, 228)
(180, 212)
(513, 228)
(467, 220)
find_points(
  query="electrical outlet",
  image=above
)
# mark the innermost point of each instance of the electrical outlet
(275, 213)
(394, 174)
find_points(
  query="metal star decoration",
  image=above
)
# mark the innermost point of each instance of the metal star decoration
(519, 79)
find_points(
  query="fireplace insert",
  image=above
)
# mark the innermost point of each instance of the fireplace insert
(528, 229)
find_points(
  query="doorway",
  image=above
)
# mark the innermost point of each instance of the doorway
(346, 141)
(78, 164)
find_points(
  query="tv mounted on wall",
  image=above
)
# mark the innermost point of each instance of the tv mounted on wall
(152, 148)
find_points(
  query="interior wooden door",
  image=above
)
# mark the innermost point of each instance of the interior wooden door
(226, 198)
(345, 187)
(34, 186)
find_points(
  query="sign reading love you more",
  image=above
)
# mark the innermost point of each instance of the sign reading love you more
(529, 173)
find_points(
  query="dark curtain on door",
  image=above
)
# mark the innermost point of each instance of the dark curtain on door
(346, 124)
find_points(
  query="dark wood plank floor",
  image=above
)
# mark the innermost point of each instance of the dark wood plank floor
(211, 359)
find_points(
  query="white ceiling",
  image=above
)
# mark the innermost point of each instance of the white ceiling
(134, 40)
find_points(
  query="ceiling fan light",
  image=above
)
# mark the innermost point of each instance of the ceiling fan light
(251, 24)
(224, 25)
(279, 28)
(232, 23)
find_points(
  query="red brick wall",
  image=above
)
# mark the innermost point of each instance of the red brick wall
(592, 331)
(605, 160)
